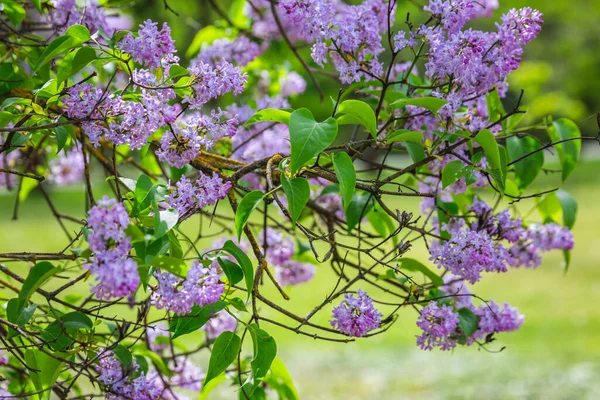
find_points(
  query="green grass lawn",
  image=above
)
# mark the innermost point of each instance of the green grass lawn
(556, 354)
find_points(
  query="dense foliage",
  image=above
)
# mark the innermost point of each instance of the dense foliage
(162, 147)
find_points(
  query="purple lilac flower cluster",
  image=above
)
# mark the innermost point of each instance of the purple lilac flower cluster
(263, 139)
(438, 323)
(539, 238)
(356, 315)
(129, 122)
(279, 252)
(67, 13)
(187, 197)
(116, 273)
(212, 81)
(240, 51)
(67, 168)
(121, 383)
(218, 324)
(8, 161)
(350, 35)
(201, 287)
(481, 247)
(184, 141)
(151, 45)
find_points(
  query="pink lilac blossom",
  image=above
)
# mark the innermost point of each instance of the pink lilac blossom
(356, 315)
(3, 358)
(184, 140)
(240, 51)
(210, 82)
(201, 287)
(456, 287)
(475, 60)
(468, 253)
(438, 324)
(121, 384)
(279, 248)
(8, 161)
(539, 238)
(292, 84)
(294, 273)
(187, 197)
(259, 140)
(186, 375)
(218, 324)
(158, 336)
(115, 273)
(349, 34)
(151, 45)
(67, 168)
(494, 318)
(66, 13)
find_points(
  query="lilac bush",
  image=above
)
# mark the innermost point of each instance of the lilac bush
(204, 188)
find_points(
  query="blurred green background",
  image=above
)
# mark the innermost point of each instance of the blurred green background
(556, 355)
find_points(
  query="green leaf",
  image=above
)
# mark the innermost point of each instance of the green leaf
(183, 324)
(27, 185)
(26, 314)
(174, 265)
(453, 171)
(282, 377)
(569, 208)
(346, 175)
(74, 62)
(238, 304)
(59, 333)
(13, 11)
(411, 264)
(405, 135)
(550, 208)
(494, 106)
(415, 150)
(224, 352)
(79, 32)
(309, 137)
(568, 152)
(467, 321)
(143, 192)
(270, 114)
(297, 192)
(164, 221)
(62, 134)
(433, 104)
(527, 169)
(245, 208)
(244, 262)
(123, 355)
(487, 141)
(206, 35)
(359, 207)
(207, 389)
(233, 271)
(177, 71)
(357, 112)
(73, 37)
(38, 5)
(5, 118)
(44, 370)
(38, 274)
(265, 350)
